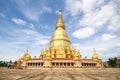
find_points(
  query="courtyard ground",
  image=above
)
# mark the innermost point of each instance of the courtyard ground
(75, 74)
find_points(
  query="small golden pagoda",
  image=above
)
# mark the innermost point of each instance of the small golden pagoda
(95, 56)
(26, 55)
(59, 54)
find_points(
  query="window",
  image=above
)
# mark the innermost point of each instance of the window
(68, 64)
(60, 64)
(53, 64)
(64, 64)
(41, 64)
(72, 64)
(56, 63)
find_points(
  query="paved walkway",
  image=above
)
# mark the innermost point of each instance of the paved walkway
(81, 74)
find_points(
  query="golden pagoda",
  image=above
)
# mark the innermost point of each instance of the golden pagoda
(59, 54)
(60, 43)
(26, 55)
(95, 56)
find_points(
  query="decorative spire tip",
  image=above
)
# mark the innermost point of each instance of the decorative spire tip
(60, 11)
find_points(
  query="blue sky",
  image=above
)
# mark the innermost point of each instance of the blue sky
(30, 24)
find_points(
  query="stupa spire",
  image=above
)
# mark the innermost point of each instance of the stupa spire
(60, 36)
(95, 55)
(95, 52)
(26, 52)
(60, 22)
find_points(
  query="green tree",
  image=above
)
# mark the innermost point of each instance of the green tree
(10, 61)
(15, 63)
(112, 62)
(3, 63)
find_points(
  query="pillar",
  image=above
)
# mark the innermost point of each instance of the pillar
(47, 63)
(77, 63)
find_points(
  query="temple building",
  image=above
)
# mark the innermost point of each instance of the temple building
(59, 54)
(118, 62)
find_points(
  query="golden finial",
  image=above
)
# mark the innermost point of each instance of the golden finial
(60, 11)
(94, 51)
(60, 22)
(26, 50)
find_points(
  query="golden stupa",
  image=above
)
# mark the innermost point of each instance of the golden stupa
(60, 43)
(95, 56)
(59, 54)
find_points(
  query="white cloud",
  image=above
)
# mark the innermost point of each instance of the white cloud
(106, 37)
(36, 37)
(88, 5)
(85, 51)
(32, 15)
(105, 49)
(114, 23)
(32, 12)
(29, 32)
(42, 42)
(93, 13)
(31, 26)
(84, 33)
(57, 11)
(76, 44)
(118, 44)
(22, 22)
(19, 21)
(73, 6)
(19, 40)
(11, 51)
(82, 6)
(101, 49)
(46, 26)
(47, 9)
(97, 18)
